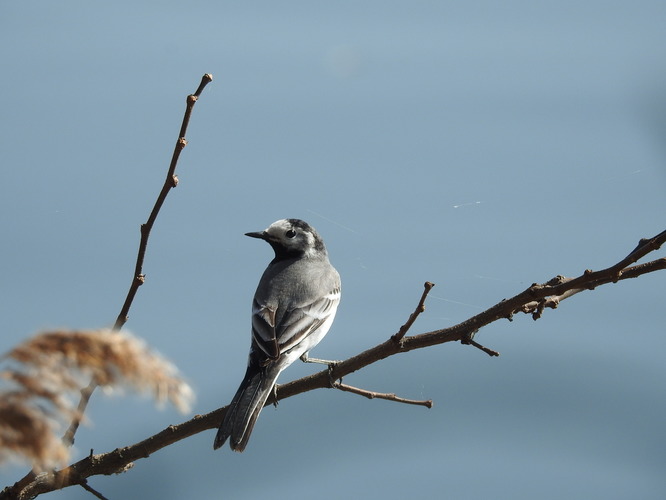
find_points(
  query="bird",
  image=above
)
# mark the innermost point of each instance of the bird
(292, 310)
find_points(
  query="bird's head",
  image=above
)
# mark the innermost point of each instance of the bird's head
(292, 238)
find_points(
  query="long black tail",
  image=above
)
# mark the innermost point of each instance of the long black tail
(245, 407)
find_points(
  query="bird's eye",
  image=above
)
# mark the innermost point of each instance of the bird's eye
(290, 233)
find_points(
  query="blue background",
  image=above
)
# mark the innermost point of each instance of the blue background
(480, 145)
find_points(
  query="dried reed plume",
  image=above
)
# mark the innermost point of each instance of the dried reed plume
(44, 372)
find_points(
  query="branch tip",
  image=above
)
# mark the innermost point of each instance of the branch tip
(205, 80)
(420, 307)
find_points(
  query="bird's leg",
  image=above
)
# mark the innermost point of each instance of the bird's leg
(306, 359)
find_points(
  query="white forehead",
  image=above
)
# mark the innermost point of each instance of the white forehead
(279, 227)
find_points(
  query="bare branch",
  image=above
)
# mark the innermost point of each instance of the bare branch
(120, 459)
(170, 182)
(381, 395)
(139, 278)
(534, 300)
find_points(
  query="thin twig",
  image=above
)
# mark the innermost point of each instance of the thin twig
(381, 395)
(84, 484)
(472, 342)
(412, 317)
(119, 459)
(170, 182)
(86, 393)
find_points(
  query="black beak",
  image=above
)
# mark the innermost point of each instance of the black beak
(260, 234)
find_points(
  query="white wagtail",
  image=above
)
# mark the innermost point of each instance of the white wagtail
(293, 308)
